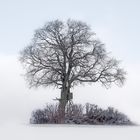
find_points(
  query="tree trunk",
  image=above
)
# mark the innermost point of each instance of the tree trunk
(62, 104)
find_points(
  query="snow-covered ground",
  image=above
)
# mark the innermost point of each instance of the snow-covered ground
(11, 131)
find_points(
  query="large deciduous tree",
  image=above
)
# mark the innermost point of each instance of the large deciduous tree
(67, 54)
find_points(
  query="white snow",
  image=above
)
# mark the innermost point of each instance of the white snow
(12, 131)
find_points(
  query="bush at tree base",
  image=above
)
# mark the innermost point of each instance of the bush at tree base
(78, 114)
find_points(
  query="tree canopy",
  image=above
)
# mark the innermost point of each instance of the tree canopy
(65, 54)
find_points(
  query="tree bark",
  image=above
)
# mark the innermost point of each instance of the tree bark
(62, 103)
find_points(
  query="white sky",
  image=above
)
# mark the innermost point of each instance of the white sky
(116, 23)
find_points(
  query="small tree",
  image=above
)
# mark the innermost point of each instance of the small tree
(67, 54)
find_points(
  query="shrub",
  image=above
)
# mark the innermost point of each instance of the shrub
(38, 117)
(78, 114)
(47, 115)
(110, 116)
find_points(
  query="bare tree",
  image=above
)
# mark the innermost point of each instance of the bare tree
(67, 54)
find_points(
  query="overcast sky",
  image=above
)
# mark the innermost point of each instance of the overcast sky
(116, 23)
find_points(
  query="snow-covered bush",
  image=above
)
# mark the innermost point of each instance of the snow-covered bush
(47, 115)
(78, 114)
(38, 117)
(74, 114)
(110, 116)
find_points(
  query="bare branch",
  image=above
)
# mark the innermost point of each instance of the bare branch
(67, 54)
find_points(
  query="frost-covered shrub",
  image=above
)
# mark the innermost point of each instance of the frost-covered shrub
(38, 117)
(52, 113)
(96, 115)
(78, 114)
(74, 110)
(115, 117)
(74, 114)
(47, 115)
